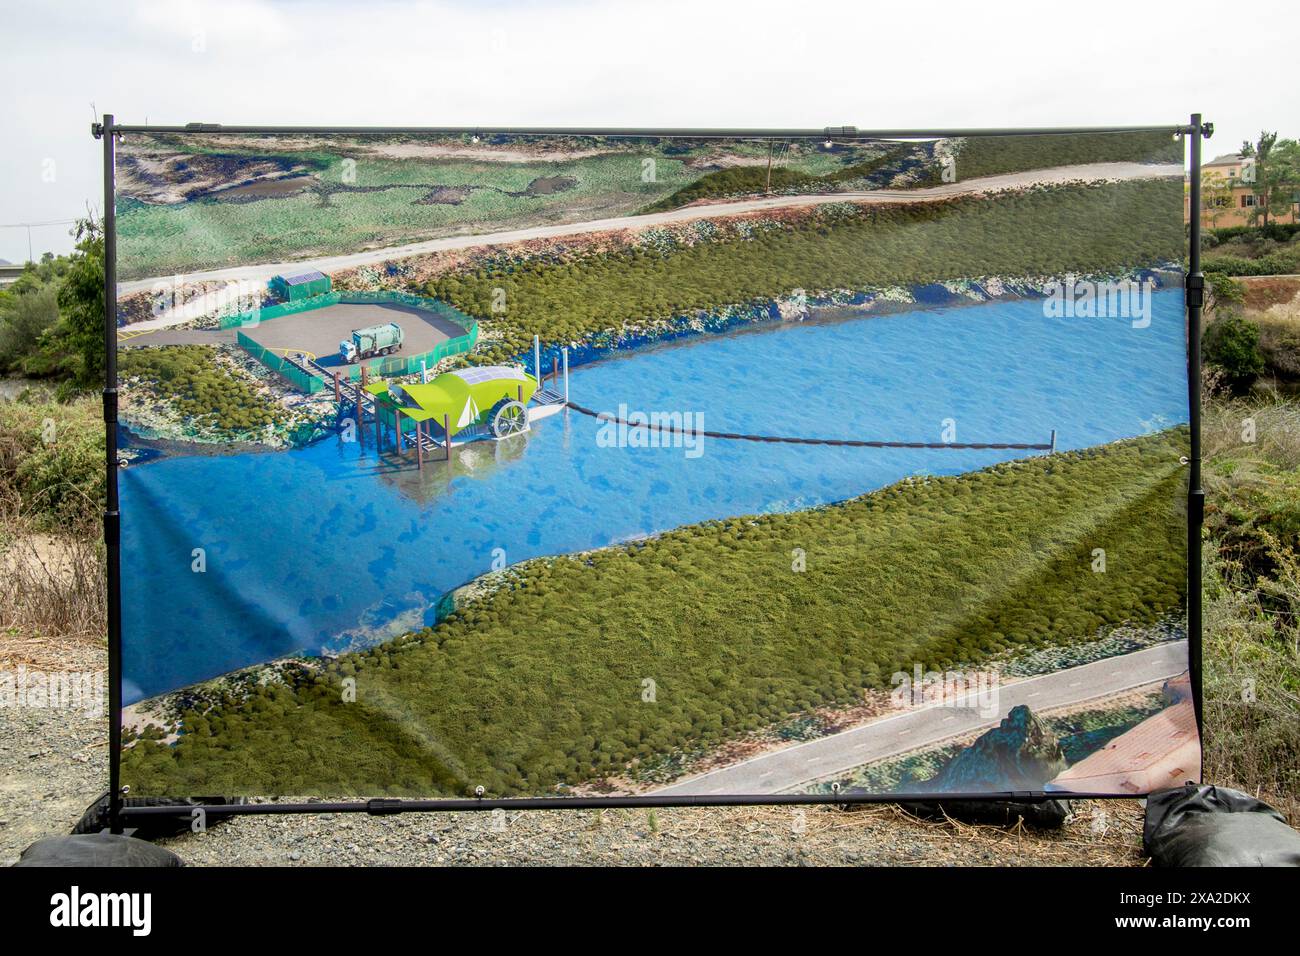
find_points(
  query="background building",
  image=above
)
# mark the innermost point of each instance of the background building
(1228, 197)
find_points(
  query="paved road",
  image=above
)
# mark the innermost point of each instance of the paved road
(913, 729)
(259, 274)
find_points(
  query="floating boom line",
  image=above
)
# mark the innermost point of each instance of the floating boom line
(841, 442)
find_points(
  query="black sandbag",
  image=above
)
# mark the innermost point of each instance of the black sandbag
(1200, 825)
(1043, 814)
(96, 849)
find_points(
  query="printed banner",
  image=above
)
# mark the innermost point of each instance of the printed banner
(557, 465)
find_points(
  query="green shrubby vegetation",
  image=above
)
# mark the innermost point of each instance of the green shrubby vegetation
(1090, 230)
(28, 311)
(1274, 232)
(992, 155)
(209, 395)
(1253, 250)
(52, 462)
(756, 180)
(1231, 342)
(1252, 593)
(539, 683)
(1279, 263)
(737, 181)
(51, 319)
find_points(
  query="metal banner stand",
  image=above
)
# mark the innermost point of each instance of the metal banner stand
(1195, 297)
(119, 815)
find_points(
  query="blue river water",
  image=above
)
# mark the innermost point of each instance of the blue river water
(332, 546)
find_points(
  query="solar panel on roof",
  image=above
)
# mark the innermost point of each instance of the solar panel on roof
(486, 373)
(305, 277)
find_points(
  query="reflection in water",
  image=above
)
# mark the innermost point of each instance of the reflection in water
(475, 460)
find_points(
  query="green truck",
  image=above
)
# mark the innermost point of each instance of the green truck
(371, 341)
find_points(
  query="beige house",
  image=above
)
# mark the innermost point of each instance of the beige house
(1220, 208)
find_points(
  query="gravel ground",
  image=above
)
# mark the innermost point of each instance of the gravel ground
(757, 836)
(53, 764)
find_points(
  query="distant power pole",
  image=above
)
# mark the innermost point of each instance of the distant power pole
(29, 226)
(768, 187)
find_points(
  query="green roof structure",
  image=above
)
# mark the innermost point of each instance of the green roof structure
(294, 288)
(464, 398)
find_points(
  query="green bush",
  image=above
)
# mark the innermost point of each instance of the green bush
(1231, 342)
(1276, 231)
(1278, 263)
(52, 461)
(188, 377)
(1223, 291)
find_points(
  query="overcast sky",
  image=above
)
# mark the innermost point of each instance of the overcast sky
(647, 63)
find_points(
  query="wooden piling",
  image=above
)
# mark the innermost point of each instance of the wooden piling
(419, 445)
(361, 389)
(338, 389)
(446, 431)
(397, 430)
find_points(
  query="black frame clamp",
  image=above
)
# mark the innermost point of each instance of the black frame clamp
(1195, 289)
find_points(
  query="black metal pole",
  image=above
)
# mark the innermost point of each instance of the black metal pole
(112, 517)
(388, 806)
(828, 132)
(1195, 493)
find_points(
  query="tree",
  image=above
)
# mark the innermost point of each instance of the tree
(1216, 196)
(24, 319)
(81, 304)
(1273, 176)
(1282, 178)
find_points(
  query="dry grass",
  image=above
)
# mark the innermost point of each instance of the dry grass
(53, 609)
(1252, 709)
(1276, 432)
(1252, 599)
